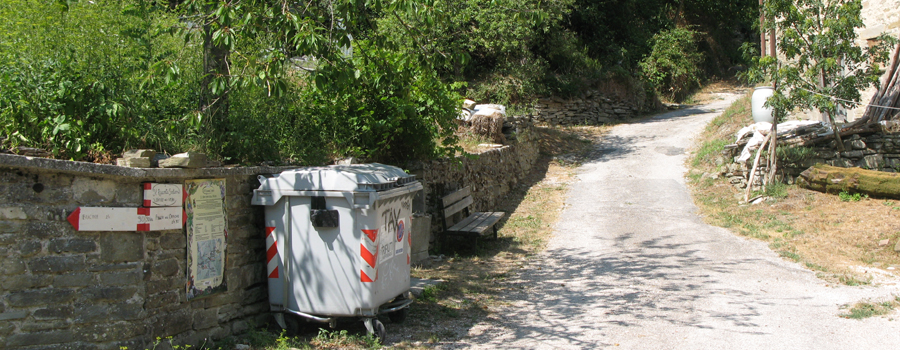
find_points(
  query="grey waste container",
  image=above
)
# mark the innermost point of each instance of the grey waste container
(338, 242)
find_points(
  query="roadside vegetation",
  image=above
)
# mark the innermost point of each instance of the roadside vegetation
(866, 309)
(846, 239)
(269, 81)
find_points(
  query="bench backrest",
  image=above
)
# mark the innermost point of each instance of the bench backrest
(456, 202)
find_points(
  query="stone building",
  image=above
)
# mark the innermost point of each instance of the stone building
(879, 16)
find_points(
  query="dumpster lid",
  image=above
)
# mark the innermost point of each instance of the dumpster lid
(356, 177)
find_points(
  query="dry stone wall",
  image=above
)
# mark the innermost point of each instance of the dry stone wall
(68, 289)
(879, 152)
(592, 108)
(874, 152)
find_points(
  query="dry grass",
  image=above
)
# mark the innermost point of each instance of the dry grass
(845, 241)
(707, 94)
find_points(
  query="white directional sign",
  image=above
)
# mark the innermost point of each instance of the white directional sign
(126, 219)
(163, 195)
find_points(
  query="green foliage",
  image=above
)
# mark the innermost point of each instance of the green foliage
(509, 50)
(673, 66)
(430, 293)
(777, 190)
(71, 78)
(708, 151)
(253, 81)
(866, 309)
(344, 340)
(851, 197)
(104, 76)
(795, 154)
(618, 33)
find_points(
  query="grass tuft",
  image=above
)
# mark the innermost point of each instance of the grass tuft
(866, 309)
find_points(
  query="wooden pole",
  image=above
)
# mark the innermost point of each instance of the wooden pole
(772, 51)
(755, 167)
(762, 31)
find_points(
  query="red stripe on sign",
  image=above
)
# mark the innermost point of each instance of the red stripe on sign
(74, 218)
(143, 227)
(274, 273)
(148, 186)
(363, 277)
(144, 211)
(367, 255)
(269, 231)
(273, 250)
(407, 259)
(147, 203)
(372, 234)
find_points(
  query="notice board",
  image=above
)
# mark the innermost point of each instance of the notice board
(207, 233)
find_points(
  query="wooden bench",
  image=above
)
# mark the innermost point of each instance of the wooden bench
(473, 225)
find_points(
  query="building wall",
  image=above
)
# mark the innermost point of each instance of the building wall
(879, 16)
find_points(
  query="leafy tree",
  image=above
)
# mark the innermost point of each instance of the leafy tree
(673, 66)
(823, 68)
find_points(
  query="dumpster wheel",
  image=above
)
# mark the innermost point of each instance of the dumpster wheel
(375, 328)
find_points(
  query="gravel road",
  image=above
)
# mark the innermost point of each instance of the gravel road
(631, 265)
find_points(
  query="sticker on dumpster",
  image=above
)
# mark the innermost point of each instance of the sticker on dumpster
(401, 231)
(385, 243)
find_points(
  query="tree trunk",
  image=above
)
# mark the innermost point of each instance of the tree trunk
(836, 130)
(213, 106)
(829, 179)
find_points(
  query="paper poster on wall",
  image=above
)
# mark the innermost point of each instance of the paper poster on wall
(207, 231)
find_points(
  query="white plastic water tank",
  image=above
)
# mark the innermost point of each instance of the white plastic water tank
(757, 102)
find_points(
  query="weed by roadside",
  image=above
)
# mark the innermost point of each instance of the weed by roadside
(866, 309)
(851, 197)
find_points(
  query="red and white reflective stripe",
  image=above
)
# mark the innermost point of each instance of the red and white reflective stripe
(368, 252)
(271, 253)
(408, 244)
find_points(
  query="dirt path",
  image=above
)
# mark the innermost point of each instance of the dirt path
(632, 266)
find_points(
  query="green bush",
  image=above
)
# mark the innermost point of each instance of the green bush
(673, 66)
(72, 79)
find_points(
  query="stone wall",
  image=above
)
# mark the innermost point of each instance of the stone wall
(63, 288)
(592, 108)
(874, 152)
(879, 152)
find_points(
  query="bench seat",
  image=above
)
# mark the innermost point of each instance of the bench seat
(474, 224)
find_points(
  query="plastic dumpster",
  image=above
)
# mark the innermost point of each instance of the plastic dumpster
(338, 242)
